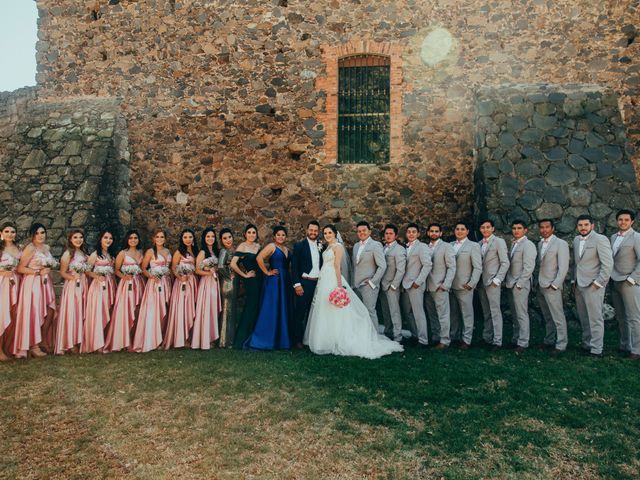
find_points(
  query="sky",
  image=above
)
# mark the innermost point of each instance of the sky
(18, 36)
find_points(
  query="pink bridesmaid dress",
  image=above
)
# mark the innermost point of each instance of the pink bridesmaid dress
(100, 298)
(35, 296)
(182, 310)
(153, 309)
(208, 308)
(9, 287)
(73, 304)
(128, 297)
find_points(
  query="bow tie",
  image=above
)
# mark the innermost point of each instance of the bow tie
(621, 234)
(584, 239)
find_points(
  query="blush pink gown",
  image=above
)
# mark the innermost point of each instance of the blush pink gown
(100, 298)
(9, 287)
(208, 308)
(73, 304)
(182, 310)
(34, 298)
(153, 309)
(128, 297)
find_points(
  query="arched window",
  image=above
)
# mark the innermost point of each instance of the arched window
(364, 87)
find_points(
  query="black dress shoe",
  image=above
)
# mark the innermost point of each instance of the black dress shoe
(519, 349)
(495, 348)
(596, 355)
(464, 346)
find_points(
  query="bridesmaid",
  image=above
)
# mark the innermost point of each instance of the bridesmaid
(229, 288)
(155, 302)
(9, 285)
(128, 295)
(182, 310)
(245, 257)
(36, 299)
(101, 294)
(205, 327)
(272, 330)
(73, 268)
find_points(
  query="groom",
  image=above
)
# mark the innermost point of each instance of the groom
(369, 266)
(305, 270)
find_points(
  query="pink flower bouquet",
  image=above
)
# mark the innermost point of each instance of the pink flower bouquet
(339, 297)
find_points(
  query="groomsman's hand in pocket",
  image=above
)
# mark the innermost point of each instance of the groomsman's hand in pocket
(299, 290)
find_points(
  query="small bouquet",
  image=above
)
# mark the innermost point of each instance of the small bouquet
(131, 270)
(184, 269)
(103, 271)
(210, 264)
(339, 297)
(50, 263)
(9, 265)
(80, 268)
(159, 272)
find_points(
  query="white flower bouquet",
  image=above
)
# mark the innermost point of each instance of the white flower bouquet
(103, 270)
(159, 272)
(131, 270)
(184, 269)
(50, 263)
(9, 265)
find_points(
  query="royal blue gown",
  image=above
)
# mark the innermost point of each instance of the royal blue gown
(271, 330)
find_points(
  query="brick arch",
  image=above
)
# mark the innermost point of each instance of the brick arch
(329, 85)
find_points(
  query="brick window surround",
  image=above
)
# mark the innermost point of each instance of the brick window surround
(329, 85)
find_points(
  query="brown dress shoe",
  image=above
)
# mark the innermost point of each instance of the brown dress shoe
(441, 346)
(36, 352)
(519, 349)
(495, 348)
(464, 346)
(634, 356)
(556, 351)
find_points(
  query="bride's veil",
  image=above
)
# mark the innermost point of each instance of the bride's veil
(345, 265)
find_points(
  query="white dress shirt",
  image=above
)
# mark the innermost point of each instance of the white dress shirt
(363, 243)
(458, 244)
(315, 260)
(545, 246)
(618, 241)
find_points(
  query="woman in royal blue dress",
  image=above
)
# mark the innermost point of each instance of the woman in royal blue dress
(271, 330)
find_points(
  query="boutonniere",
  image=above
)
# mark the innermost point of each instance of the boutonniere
(320, 246)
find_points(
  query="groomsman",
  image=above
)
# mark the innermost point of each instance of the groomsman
(518, 282)
(414, 284)
(553, 261)
(396, 257)
(305, 270)
(368, 268)
(468, 273)
(495, 263)
(592, 266)
(626, 282)
(443, 269)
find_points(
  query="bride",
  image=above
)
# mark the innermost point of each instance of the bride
(347, 330)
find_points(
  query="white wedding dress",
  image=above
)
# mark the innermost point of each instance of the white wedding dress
(342, 331)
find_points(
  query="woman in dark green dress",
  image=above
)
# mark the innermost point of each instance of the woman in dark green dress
(246, 267)
(228, 290)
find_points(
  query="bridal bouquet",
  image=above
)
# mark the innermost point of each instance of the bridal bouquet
(184, 269)
(210, 264)
(79, 268)
(103, 271)
(50, 263)
(339, 297)
(9, 265)
(159, 272)
(131, 270)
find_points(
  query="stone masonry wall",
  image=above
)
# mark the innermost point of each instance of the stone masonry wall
(552, 152)
(225, 102)
(65, 164)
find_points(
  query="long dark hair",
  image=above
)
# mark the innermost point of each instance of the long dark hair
(111, 250)
(332, 228)
(153, 241)
(222, 232)
(125, 241)
(33, 229)
(203, 243)
(182, 248)
(12, 225)
(70, 248)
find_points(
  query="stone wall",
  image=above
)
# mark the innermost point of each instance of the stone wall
(65, 164)
(552, 152)
(226, 102)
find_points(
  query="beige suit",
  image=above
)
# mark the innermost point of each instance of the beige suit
(553, 267)
(592, 266)
(443, 269)
(368, 265)
(468, 272)
(391, 284)
(518, 281)
(625, 291)
(418, 268)
(495, 263)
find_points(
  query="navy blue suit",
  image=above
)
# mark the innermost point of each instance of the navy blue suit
(301, 262)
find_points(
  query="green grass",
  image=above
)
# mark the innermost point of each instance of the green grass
(230, 414)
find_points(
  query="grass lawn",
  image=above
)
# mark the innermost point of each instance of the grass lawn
(229, 414)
